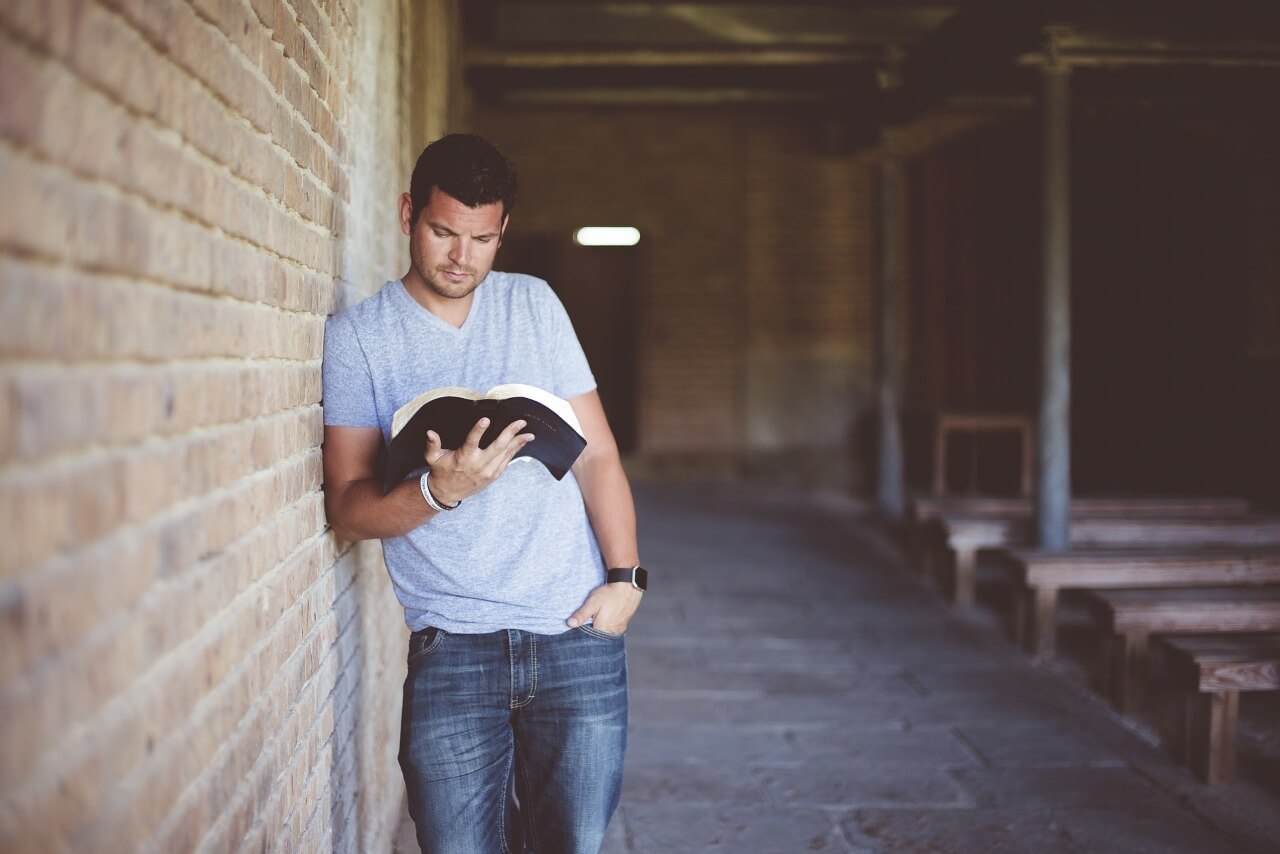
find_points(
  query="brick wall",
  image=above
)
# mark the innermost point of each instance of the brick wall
(189, 659)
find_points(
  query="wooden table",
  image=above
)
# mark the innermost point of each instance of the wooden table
(1131, 617)
(1210, 671)
(1042, 575)
(991, 422)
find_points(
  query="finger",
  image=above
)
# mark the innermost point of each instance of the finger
(504, 459)
(505, 438)
(433, 450)
(586, 612)
(472, 442)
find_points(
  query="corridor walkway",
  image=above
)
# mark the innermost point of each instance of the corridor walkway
(794, 689)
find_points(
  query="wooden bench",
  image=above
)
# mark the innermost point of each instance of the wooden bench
(922, 508)
(963, 537)
(1130, 617)
(1041, 575)
(1210, 671)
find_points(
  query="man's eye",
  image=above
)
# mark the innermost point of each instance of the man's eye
(483, 239)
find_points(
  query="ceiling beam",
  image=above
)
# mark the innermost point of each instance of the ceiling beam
(663, 58)
(1096, 49)
(665, 96)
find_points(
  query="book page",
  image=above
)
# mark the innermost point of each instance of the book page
(558, 405)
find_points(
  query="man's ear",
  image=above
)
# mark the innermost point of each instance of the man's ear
(502, 231)
(406, 213)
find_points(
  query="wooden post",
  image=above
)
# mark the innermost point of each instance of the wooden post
(1211, 735)
(892, 203)
(1053, 497)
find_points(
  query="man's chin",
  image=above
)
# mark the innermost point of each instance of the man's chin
(453, 290)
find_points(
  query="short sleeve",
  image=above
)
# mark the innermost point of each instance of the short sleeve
(572, 373)
(348, 385)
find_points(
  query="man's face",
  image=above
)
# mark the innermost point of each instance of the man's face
(451, 245)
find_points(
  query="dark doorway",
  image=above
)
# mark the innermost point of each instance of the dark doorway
(599, 286)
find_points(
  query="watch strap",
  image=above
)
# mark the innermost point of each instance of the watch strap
(636, 576)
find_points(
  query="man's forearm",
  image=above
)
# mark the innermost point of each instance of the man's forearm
(362, 512)
(610, 507)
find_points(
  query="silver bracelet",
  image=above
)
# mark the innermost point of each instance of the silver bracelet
(431, 499)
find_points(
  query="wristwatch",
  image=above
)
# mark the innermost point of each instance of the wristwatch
(636, 576)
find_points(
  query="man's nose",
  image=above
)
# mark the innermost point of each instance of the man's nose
(459, 250)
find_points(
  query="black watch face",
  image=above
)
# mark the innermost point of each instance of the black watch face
(642, 578)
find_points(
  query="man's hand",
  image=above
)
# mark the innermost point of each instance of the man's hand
(463, 472)
(610, 607)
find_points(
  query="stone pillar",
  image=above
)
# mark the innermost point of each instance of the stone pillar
(891, 214)
(1053, 496)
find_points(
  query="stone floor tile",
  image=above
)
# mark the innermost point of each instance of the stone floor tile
(1063, 788)
(952, 831)
(690, 783)
(736, 828)
(1140, 832)
(849, 785)
(1035, 744)
(650, 743)
(939, 749)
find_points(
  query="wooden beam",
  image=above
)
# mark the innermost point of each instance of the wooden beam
(1076, 47)
(891, 206)
(1099, 59)
(664, 58)
(655, 95)
(1053, 492)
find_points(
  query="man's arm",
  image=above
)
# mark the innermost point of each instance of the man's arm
(611, 509)
(353, 498)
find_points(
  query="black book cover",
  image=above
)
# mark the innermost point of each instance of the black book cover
(453, 412)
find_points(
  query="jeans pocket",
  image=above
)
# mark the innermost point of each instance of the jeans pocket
(599, 633)
(424, 642)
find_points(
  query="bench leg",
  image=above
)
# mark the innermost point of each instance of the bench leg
(1022, 618)
(1210, 735)
(1127, 671)
(1040, 635)
(966, 575)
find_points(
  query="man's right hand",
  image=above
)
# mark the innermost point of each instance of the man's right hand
(463, 472)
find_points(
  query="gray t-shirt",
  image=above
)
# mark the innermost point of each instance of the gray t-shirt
(519, 554)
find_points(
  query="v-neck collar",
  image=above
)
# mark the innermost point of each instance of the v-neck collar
(439, 322)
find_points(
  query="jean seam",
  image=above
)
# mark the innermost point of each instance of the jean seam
(502, 806)
(533, 686)
(594, 632)
(429, 648)
(511, 662)
(527, 811)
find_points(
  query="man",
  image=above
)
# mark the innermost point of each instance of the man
(517, 671)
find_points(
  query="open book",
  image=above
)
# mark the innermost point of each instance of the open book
(452, 412)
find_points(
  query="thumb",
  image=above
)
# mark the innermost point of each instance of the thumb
(586, 612)
(433, 450)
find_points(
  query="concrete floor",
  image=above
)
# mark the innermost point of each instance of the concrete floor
(794, 688)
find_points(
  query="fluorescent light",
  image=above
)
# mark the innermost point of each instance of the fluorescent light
(607, 235)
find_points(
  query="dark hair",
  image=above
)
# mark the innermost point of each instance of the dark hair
(466, 166)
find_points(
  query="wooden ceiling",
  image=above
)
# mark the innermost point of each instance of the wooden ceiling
(883, 59)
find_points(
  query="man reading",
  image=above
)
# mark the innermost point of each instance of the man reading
(517, 587)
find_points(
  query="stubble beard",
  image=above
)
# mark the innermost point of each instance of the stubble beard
(436, 282)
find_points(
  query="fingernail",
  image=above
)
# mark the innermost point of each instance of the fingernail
(573, 623)
(520, 424)
(484, 421)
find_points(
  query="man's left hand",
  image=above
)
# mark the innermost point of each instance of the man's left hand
(610, 607)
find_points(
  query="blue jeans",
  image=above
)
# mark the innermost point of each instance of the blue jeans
(513, 741)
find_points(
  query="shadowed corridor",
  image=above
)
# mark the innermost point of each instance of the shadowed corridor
(795, 688)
